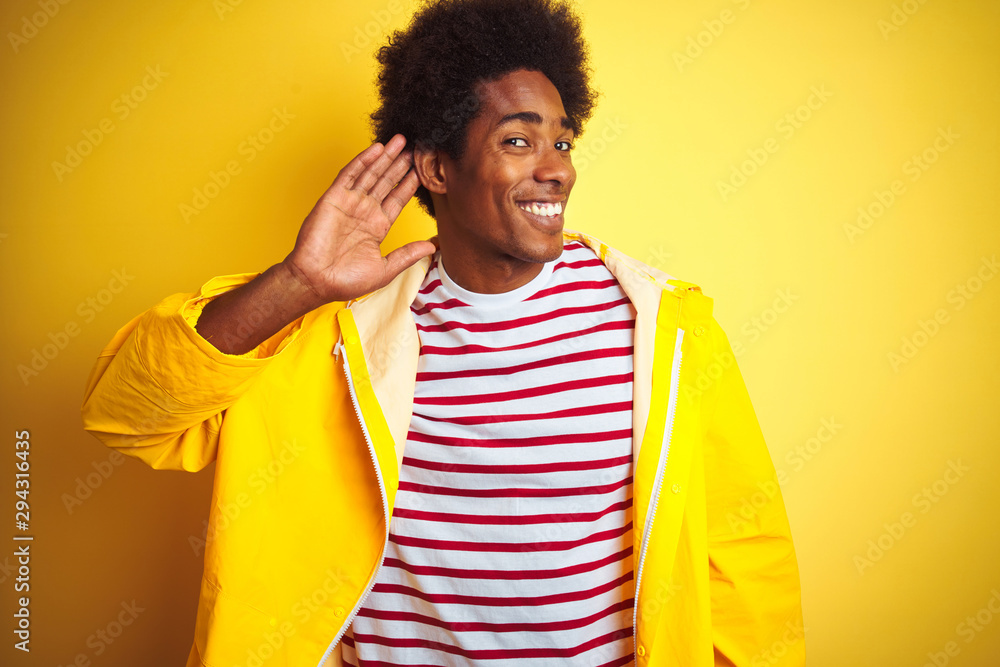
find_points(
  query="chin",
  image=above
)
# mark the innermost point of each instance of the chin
(547, 251)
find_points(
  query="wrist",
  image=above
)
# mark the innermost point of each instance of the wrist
(298, 290)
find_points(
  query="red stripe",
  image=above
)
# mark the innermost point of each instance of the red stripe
(523, 321)
(508, 547)
(578, 264)
(529, 392)
(470, 349)
(432, 285)
(515, 492)
(527, 468)
(537, 441)
(573, 287)
(444, 305)
(582, 411)
(489, 601)
(587, 355)
(506, 575)
(554, 626)
(503, 520)
(495, 654)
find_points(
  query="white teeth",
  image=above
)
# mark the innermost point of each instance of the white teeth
(543, 209)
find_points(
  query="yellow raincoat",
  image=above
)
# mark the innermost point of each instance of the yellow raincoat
(307, 432)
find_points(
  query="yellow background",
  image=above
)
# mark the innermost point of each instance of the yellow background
(667, 132)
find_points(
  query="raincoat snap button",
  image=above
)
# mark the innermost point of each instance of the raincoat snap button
(339, 612)
(641, 651)
(699, 330)
(676, 488)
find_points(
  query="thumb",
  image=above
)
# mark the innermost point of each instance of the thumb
(406, 256)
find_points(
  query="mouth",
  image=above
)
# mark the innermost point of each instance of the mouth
(544, 213)
(542, 208)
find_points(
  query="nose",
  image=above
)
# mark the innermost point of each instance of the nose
(555, 166)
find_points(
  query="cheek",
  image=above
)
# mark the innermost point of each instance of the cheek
(506, 180)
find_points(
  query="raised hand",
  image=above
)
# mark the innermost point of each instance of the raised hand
(336, 254)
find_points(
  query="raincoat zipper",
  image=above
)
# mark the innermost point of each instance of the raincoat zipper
(385, 505)
(675, 375)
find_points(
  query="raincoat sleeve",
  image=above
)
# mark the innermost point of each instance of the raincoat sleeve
(754, 577)
(159, 390)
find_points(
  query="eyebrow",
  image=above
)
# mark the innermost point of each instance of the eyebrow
(532, 117)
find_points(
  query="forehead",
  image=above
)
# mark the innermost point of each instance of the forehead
(522, 95)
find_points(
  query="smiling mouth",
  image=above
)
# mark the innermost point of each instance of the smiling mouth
(542, 209)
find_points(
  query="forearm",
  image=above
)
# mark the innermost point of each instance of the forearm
(240, 320)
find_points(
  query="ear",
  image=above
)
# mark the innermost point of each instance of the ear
(429, 166)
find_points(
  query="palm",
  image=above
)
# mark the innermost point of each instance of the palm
(337, 251)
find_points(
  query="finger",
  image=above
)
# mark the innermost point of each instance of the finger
(402, 194)
(406, 256)
(347, 176)
(370, 176)
(392, 175)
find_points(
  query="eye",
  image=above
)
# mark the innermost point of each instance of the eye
(521, 139)
(568, 145)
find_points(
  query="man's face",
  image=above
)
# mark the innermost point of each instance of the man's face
(501, 215)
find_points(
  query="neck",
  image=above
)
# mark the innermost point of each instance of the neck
(493, 274)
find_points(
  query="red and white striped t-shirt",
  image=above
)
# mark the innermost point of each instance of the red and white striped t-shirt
(511, 538)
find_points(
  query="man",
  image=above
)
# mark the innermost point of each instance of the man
(510, 443)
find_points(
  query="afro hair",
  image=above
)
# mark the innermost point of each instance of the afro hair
(428, 73)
